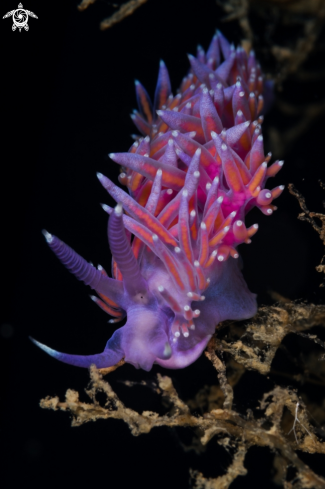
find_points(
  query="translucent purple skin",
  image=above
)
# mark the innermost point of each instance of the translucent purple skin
(146, 338)
(212, 154)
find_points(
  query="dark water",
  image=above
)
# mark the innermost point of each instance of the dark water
(68, 92)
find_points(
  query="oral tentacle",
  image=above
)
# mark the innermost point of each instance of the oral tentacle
(86, 272)
(109, 357)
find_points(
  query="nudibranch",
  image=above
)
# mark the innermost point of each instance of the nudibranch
(190, 179)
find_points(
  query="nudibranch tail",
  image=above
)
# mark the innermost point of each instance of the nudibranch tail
(190, 179)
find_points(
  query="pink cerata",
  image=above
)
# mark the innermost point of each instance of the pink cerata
(190, 179)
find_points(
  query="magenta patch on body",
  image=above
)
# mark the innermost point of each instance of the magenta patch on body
(190, 179)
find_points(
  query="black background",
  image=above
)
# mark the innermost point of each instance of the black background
(67, 92)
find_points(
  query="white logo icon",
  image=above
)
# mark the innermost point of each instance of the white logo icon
(20, 18)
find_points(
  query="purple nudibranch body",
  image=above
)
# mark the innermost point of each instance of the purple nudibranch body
(191, 179)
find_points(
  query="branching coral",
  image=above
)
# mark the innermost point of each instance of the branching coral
(255, 349)
(289, 56)
(308, 216)
(309, 14)
(125, 10)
